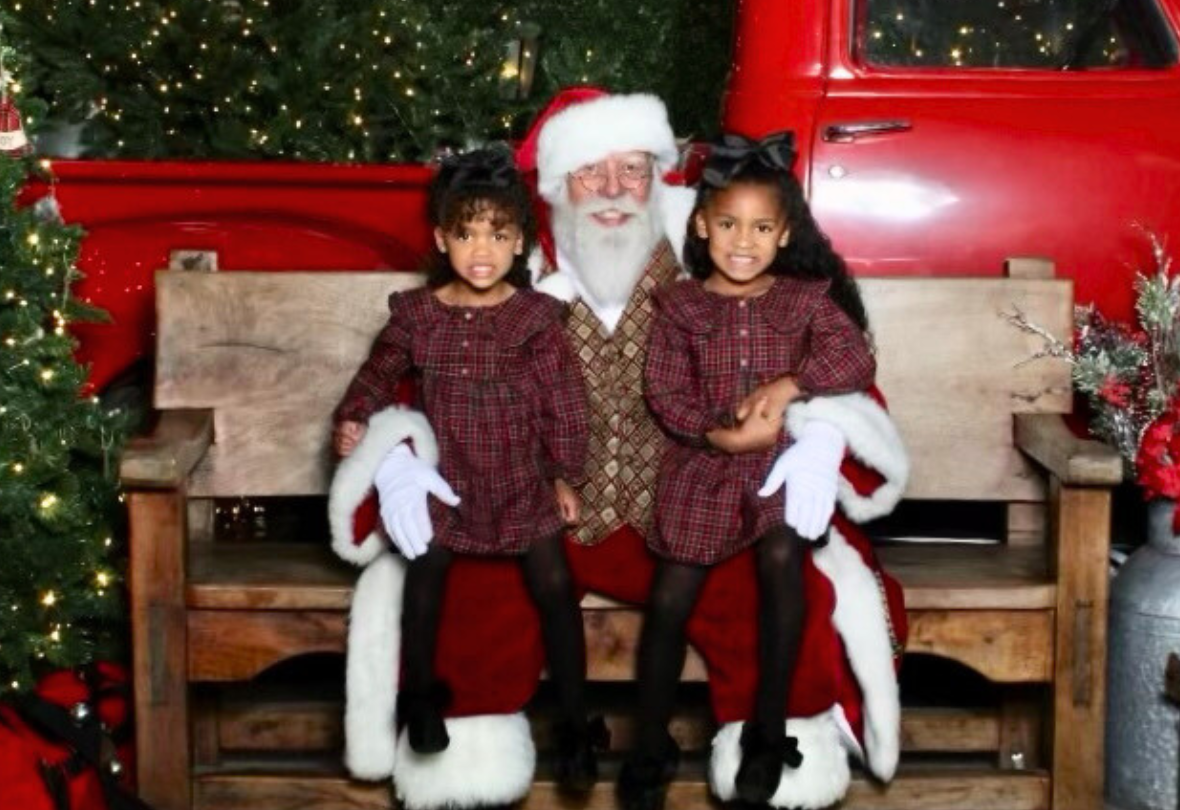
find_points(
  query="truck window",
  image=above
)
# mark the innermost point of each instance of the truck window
(1031, 34)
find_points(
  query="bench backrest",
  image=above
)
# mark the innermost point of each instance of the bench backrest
(271, 354)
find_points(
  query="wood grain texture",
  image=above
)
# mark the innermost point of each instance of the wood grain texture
(914, 790)
(953, 370)
(1004, 646)
(236, 645)
(156, 575)
(317, 725)
(164, 458)
(273, 352)
(1082, 547)
(1048, 440)
(939, 576)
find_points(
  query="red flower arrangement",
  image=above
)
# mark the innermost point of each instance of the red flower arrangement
(1158, 461)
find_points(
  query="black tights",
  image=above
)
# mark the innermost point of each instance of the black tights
(663, 645)
(548, 578)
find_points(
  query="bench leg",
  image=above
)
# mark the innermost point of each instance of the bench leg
(157, 585)
(1081, 532)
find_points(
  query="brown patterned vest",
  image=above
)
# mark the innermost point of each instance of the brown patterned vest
(626, 445)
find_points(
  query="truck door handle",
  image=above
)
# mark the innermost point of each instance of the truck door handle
(849, 131)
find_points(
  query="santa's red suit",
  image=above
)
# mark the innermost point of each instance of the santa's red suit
(843, 698)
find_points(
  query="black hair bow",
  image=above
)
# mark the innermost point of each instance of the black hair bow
(494, 167)
(734, 153)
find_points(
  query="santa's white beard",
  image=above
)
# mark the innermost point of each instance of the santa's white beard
(608, 261)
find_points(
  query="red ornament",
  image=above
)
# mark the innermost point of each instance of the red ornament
(13, 141)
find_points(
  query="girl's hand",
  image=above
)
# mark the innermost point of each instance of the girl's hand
(568, 502)
(776, 395)
(760, 430)
(347, 436)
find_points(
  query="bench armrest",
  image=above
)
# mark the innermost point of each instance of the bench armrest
(1047, 440)
(164, 458)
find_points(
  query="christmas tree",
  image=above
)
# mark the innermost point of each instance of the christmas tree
(355, 80)
(60, 600)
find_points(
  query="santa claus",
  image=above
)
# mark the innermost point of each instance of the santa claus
(615, 232)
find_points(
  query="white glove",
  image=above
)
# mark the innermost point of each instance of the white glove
(810, 469)
(403, 481)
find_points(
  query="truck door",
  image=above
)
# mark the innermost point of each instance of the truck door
(954, 134)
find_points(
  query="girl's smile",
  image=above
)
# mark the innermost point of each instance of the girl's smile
(745, 227)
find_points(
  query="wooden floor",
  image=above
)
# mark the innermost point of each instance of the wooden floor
(924, 787)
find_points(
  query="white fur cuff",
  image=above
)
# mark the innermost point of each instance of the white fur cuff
(821, 781)
(872, 439)
(354, 476)
(490, 760)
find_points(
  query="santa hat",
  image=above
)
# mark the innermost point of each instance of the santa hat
(584, 124)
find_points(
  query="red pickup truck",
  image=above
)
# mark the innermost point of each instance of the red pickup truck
(935, 138)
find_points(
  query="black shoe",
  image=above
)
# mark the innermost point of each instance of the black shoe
(643, 781)
(576, 765)
(421, 714)
(763, 756)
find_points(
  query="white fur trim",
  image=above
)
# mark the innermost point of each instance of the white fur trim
(374, 648)
(490, 760)
(860, 620)
(872, 438)
(354, 476)
(821, 781)
(559, 286)
(589, 131)
(676, 204)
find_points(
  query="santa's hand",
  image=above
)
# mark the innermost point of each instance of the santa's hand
(403, 481)
(810, 469)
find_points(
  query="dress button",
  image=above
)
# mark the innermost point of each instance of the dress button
(742, 332)
(467, 316)
(466, 344)
(464, 371)
(742, 304)
(744, 362)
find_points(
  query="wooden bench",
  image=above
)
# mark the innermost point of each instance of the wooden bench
(249, 367)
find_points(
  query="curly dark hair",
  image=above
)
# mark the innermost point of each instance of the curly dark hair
(470, 185)
(809, 252)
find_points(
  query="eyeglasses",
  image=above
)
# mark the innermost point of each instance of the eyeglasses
(631, 175)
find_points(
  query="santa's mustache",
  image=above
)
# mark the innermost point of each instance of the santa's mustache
(623, 205)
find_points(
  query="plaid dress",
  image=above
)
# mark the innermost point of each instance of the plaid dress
(505, 396)
(707, 353)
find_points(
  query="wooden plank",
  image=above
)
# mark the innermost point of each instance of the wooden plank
(1082, 545)
(970, 577)
(269, 576)
(316, 725)
(165, 457)
(235, 339)
(925, 729)
(918, 790)
(1013, 646)
(951, 398)
(1084, 462)
(1029, 267)
(156, 584)
(281, 726)
(237, 342)
(1028, 525)
(301, 576)
(236, 645)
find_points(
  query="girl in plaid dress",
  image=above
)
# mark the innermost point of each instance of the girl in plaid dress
(769, 315)
(505, 395)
